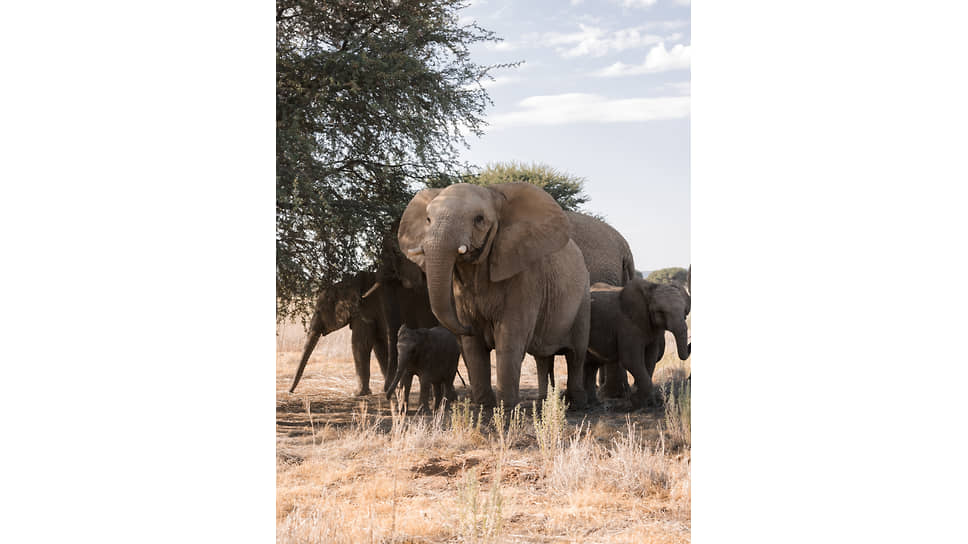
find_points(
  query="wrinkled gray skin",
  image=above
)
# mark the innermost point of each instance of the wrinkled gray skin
(431, 355)
(609, 260)
(370, 313)
(343, 305)
(503, 274)
(403, 297)
(628, 327)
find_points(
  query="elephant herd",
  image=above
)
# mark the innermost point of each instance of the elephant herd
(504, 268)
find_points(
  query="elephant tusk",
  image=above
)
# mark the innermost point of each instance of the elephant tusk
(462, 250)
(371, 289)
(416, 251)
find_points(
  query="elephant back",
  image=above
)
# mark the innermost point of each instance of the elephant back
(606, 252)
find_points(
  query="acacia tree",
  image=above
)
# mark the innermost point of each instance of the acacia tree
(371, 97)
(567, 189)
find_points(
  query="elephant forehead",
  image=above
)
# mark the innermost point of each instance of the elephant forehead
(459, 195)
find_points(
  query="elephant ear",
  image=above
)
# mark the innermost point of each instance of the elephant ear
(531, 226)
(636, 302)
(413, 226)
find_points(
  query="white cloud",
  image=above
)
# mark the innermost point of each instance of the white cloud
(576, 2)
(592, 40)
(499, 81)
(638, 3)
(680, 87)
(683, 2)
(503, 45)
(659, 59)
(569, 108)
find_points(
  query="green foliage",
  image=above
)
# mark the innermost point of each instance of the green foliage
(371, 97)
(668, 275)
(565, 188)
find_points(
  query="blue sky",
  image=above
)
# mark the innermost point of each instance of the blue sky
(603, 94)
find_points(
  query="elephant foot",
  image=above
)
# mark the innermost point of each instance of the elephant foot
(364, 392)
(615, 390)
(576, 399)
(487, 400)
(646, 400)
(592, 399)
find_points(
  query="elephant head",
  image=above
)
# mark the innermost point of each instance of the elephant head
(503, 227)
(657, 307)
(335, 307)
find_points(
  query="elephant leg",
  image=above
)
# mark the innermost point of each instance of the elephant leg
(407, 382)
(425, 388)
(362, 341)
(510, 355)
(438, 395)
(577, 395)
(653, 352)
(545, 366)
(477, 359)
(576, 354)
(391, 317)
(633, 356)
(380, 350)
(616, 381)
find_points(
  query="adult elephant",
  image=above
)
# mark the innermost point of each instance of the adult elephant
(503, 274)
(608, 260)
(345, 304)
(374, 305)
(402, 291)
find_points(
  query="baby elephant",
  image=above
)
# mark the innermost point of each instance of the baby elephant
(628, 327)
(432, 355)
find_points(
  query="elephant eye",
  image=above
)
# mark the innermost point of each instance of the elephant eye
(428, 220)
(479, 219)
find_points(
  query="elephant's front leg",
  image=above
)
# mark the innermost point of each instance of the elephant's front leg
(545, 366)
(477, 359)
(362, 341)
(425, 389)
(632, 355)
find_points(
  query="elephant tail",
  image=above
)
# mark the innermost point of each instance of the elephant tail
(461, 378)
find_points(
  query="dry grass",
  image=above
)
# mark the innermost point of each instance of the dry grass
(351, 470)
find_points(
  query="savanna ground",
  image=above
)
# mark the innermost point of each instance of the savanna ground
(351, 470)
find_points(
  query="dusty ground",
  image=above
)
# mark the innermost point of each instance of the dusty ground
(348, 470)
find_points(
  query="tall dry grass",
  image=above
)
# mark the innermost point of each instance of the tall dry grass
(520, 475)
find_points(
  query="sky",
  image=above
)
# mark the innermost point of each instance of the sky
(603, 94)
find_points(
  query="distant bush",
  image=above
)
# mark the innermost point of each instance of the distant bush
(668, 275)
(567, 189)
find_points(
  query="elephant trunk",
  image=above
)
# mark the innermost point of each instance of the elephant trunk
(392, 386)
(440, 286)
(682, 341)
(307, 351)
